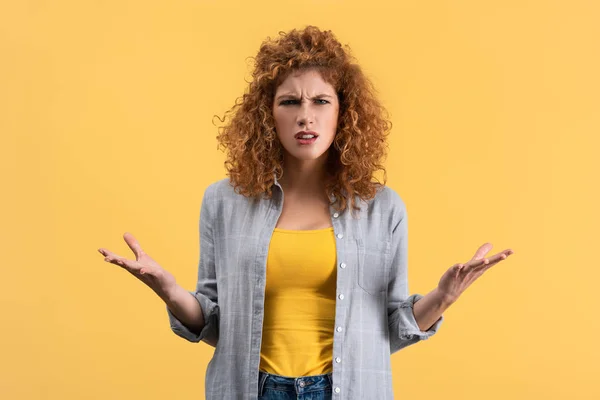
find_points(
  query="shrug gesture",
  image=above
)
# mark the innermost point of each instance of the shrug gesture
(460, 276)
(144, 268)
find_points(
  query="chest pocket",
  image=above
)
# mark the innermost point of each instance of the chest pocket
(373, 270)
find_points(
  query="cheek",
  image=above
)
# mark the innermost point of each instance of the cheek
(332, 119)
(281, 118)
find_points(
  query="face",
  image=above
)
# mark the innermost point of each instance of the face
(305, 102)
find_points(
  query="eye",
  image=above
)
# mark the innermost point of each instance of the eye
(288, 102)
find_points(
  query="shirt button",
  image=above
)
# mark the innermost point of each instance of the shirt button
(335, 215)
(339, 235)
(343, 265)
(337, 389)
(337, 359)
(341, 296)
(339, 329)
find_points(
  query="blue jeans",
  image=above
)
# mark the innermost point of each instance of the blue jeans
(277, 387)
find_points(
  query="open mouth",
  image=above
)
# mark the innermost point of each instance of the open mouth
(306, 139)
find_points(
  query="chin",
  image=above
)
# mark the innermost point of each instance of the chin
(306, 155)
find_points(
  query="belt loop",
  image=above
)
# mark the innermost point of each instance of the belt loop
(329, 375)
(261, 383)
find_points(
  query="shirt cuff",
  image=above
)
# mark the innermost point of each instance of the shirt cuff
(404, 317)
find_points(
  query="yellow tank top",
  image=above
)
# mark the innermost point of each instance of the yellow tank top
(299, 315)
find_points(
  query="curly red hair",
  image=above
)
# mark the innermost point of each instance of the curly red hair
(359, 146)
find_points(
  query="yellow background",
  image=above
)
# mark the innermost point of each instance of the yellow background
(106, 112)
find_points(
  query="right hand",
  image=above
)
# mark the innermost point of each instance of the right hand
(144, 268)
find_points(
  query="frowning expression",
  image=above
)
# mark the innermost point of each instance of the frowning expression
(305, 102)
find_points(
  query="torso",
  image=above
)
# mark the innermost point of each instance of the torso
(304, 215)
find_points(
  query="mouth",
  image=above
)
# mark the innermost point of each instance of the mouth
(301, 140)
(306, 135)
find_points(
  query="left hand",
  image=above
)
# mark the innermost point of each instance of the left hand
(460, 276)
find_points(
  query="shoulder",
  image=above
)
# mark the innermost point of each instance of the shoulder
(223, 198)
(388, 200)
(219, 190)
(388, 208)
(214, 194)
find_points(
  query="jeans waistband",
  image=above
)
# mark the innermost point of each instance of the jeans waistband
(298, 385)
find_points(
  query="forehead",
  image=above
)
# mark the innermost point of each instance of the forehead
(305, 80)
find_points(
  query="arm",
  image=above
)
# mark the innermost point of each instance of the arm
(429, 309)
(184, 307)
(206, 325)
(404, 330)
(454, 282)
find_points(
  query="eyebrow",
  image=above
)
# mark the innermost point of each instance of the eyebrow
(294, 96)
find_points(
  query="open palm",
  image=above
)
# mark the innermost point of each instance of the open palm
(460, 276)
(143, 267)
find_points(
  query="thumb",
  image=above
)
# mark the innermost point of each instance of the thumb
(482, 251)
(133, 244)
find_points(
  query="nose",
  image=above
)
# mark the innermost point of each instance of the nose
(305, 115)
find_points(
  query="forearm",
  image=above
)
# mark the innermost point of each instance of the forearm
(186, 308)
(429, 309)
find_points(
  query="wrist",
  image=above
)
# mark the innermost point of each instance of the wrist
(169, 295)
(445, 299)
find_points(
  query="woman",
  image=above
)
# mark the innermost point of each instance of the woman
(303, 298)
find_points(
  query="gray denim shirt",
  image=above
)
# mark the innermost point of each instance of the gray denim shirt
(373, 311)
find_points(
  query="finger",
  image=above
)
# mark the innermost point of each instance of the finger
(133, 244)
(472, 264)
(104, 252)
(130, 265)
(478, 270)
(455, 270)
(109, 256)
(494, 260)
(482, 251)
(500, 256)
(120, 261)
(114, 258)
(481, 263)
(459, 269)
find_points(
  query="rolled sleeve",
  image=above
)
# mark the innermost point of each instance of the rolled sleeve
(403, 321)
(206, 292)
(210, 333)
(403, 328)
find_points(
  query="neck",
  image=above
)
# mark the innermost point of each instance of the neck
(303, 177)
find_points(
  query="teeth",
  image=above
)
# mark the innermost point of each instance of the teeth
(306, 136)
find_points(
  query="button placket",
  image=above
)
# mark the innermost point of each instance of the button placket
(342, 265)
(341, 297)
